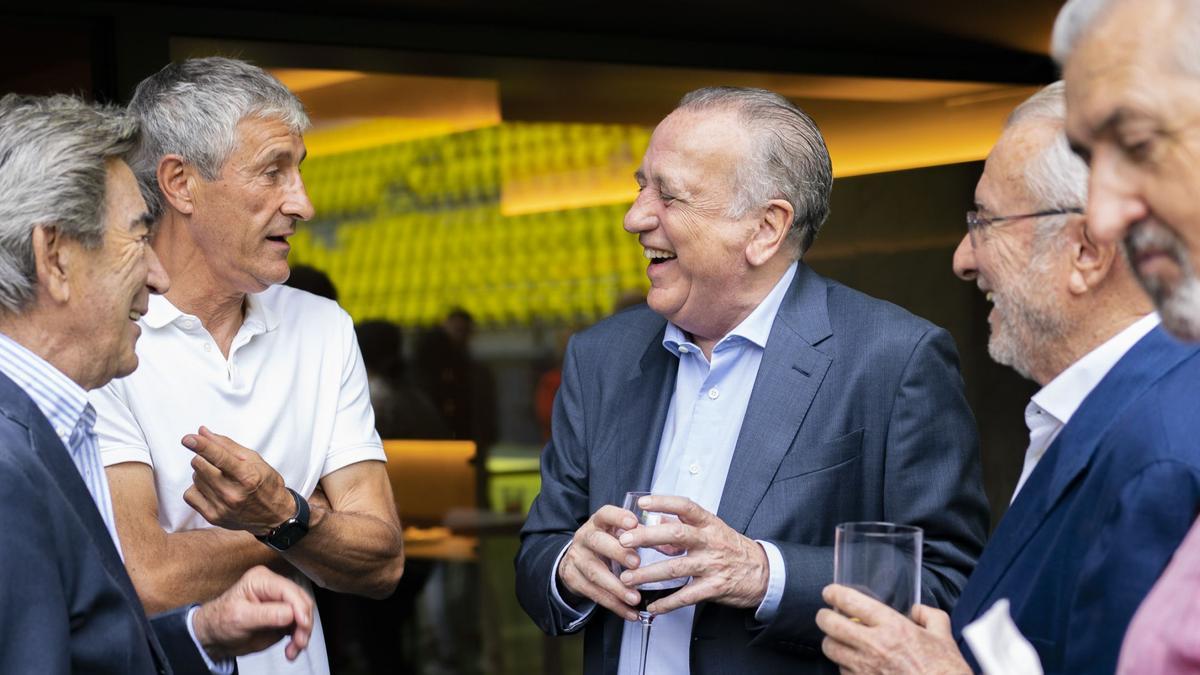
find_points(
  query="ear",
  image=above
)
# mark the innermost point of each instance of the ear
(177, 181)
(1090, 261)
(770, 232)
(53, 255)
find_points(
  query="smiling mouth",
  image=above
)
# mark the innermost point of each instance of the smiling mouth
(281, 239)
(657, 256)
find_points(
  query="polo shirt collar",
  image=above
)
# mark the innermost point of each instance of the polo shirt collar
(260, 317)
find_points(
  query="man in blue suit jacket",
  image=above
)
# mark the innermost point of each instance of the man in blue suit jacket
(1096, 517)
(769, 403)
(75, 273)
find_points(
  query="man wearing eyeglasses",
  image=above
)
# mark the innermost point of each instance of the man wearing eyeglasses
(1111, 478)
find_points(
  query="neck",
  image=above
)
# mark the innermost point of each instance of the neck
(753, 288)
(195, 288)
(1090, 331)
(32, 331)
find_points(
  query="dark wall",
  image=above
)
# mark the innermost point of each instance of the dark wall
(893, 236)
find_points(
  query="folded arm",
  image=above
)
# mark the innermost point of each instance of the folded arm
(354, 543)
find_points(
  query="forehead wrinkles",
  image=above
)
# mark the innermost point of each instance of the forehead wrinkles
(697, 154)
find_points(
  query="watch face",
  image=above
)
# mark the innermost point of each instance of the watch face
(288, 534)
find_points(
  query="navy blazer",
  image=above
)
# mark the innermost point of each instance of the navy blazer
(66, 602)
(857, 413)
(1101, 514)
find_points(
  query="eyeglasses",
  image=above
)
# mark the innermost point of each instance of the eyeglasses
(976, 222)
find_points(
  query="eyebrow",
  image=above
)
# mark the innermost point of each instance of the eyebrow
(660, 183)
(278, 154)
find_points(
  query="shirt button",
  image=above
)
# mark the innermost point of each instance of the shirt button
(694, 469)
(683, 349)
(207, 347)
(187, 324)
(713, 393)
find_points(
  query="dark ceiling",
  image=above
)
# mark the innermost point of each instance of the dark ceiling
(979, 40)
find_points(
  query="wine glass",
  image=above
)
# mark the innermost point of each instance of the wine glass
(653, 590)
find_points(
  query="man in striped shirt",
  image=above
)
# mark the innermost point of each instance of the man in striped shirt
(76, 271)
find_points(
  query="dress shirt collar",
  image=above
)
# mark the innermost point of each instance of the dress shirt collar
(1062, 396)
(755, 328)
(259, 317)
(60, 399)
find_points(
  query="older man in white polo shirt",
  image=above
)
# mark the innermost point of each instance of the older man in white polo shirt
(250, 410)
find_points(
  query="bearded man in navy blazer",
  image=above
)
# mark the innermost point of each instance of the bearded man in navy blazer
(760, 402)
(1111, 480)
(75, 273)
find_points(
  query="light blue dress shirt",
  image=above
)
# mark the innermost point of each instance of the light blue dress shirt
(702, 426)
(65, 406)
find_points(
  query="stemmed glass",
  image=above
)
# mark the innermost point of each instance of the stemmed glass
(653, 590)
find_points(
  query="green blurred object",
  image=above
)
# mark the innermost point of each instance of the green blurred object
(514, 477)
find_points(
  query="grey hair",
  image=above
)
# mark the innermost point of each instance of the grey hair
(53, 172)
(1073, 21)
(192, 109)
(1077, 17)
(1056, 177)
(789, 160)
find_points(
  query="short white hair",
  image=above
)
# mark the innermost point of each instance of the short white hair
(1056, 177)
(788, 158)
(192, 109)
(1077, 17)
(53, 172)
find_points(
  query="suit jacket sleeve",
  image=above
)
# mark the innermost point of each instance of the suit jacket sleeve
(35, 622)
(1153, 514)
(932, 479)
(561, 506)
(171, 630)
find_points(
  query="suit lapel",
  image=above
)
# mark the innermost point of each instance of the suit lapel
(1067, 458)
(54, 456)
(788, 377)
(644, 400)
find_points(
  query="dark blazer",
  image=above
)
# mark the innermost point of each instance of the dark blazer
(1101, 514)
(857, 413)
(66, 602)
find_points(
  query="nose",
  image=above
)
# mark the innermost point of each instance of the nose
(1113, 199)
(157, 280)
(640, 216)
(965, 266)
(296, 204)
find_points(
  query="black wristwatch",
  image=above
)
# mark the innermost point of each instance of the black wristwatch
(292, 530)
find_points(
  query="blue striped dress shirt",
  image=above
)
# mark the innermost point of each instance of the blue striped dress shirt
(65, 405)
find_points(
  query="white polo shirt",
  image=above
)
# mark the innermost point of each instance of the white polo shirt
(293, 389)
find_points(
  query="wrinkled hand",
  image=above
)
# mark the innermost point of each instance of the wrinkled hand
(585, 570)
(255, 613)
(725, 566)
(881, 640)
(233, 488)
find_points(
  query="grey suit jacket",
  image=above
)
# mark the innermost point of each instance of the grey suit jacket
(857, 414)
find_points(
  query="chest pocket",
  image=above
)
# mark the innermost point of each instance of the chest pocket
(802, 461)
